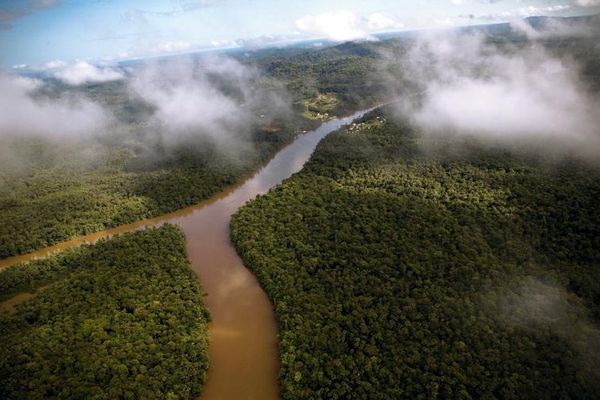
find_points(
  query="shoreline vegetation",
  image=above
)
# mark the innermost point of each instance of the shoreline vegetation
(58, 191)
(193, 201)
(122, 318)
(65, 190)
(55, 205)
(43, 281)
(405, 266)
(398, 265)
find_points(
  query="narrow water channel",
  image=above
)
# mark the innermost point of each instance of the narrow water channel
(243, 350)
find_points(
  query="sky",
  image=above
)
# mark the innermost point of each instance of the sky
(38, 33)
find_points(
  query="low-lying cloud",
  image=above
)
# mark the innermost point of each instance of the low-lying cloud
(345, 25)
(214, 98)
(23, 113)
(542, 307)
(588, 3)
(475, 88)
(214, 102)
(83, 72)
(555, 28)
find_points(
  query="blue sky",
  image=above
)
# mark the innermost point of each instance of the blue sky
(35, 32)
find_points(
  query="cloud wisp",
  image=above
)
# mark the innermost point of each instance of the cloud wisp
(82, 72)
(214, 99)
(508, 94)
(23, 113)
(345, 25)
(533, 305)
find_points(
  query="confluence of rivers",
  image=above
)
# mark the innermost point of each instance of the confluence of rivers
(244, 363)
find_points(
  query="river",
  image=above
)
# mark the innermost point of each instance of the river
(244, 363)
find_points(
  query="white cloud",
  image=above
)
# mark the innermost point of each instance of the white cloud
(474, 88)
(211, 99)
(345, 25)
(54, 64)
(553, 28)
(24, 114)
(535, 11)
(27, 84)
(339, 26)
(380, 22)
(444, 22)
(224, 43)
(184, 99)
(83, 72)
(172, 46)
(588, 3)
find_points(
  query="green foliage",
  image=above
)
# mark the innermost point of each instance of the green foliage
(345, 71)
(319, 107)
(120, 319)
(60, 191)
(58, 197)
(403, 266)
(65, 191)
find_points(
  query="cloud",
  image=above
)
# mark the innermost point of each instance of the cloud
(588, 3)
(534, 305)
(537, 11)
(54, 64)
(84, 72)
(461, 2)
(345, 25)
(27, 84)
(380, 22)
(212, 99)
(172, 46)
(338, 26)
(262, 41)
(514, 14)
(473, 88)
(178, 7)
(554, 28)
(225, 43)
(24, 113)
(184, 98)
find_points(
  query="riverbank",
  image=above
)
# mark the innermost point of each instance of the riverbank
(243, 330)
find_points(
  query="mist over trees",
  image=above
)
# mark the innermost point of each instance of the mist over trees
(446, 246)
(176, 132)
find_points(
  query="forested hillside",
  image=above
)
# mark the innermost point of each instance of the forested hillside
(123, 318)
(410, 266)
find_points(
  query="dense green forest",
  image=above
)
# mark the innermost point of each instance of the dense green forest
(347, 72)
(411, 266)
(58, 197)
(121, 319)
(59, 190)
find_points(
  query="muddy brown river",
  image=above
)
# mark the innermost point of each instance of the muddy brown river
(243, 349)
